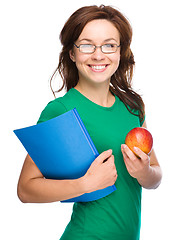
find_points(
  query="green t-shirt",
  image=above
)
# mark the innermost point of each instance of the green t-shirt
(118, 215)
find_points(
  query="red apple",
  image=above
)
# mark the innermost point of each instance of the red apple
(139, 137)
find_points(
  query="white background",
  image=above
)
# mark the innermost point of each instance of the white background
(29, 50)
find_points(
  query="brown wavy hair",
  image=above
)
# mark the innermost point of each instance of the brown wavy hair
(121, 81)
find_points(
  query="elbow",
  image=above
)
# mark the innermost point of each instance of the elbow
(22, 194)
(158, 180)
(155, 181)
(156, 185)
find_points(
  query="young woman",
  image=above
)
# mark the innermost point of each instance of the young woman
(96, 65)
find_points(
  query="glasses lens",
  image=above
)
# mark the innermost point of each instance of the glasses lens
(86, 48)
(109, 48)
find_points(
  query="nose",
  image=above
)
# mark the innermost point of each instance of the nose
(98, 54)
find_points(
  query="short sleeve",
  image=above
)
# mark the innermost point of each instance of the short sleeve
(142, 120)
(52, 110)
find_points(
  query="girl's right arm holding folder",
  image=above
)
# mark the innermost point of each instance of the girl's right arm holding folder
(34, 188)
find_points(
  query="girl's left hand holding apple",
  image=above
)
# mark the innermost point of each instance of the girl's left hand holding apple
(146, 170)
(137, 166)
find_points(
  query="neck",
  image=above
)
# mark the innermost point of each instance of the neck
(99, 93)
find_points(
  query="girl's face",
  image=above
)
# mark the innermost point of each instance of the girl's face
(97, 67)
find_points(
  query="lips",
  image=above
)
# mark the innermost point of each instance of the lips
(99, 68)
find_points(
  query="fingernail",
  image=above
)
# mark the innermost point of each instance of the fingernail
(123, 146)
(109, 151)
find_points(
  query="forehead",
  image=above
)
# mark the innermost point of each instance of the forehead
(99, 30)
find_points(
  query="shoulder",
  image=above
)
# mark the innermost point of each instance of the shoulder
(53, 109)
(60, 105)
(135, 113)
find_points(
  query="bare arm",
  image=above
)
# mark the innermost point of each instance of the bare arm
(145, 169)
(33, 187)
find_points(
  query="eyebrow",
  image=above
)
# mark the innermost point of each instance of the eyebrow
(89, 40)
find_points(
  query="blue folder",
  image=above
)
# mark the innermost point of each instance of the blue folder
(62, 149)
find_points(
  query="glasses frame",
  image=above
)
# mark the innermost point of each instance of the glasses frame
(95, 47)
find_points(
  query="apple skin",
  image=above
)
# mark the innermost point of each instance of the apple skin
(139, 137)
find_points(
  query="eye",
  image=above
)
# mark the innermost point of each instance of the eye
(109, 48)
(110, 45)
(86, 46)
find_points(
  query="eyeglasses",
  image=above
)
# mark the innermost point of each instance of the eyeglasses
(90, 48)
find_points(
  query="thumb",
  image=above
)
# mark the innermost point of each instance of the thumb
(103, 156)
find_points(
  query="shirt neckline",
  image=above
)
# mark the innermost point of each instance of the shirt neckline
(91, 102)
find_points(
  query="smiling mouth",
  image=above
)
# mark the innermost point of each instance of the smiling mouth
(98, 67)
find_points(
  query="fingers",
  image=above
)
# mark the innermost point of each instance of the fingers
(129, 157)
(127, 152)
(101, 174)
(109, 166)
(144, 157)
(137, 163)
(133, 156)
(103, 157)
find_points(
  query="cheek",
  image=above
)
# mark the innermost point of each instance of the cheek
(81, 65)
(80, 60)
(118, 57)
(116, 61)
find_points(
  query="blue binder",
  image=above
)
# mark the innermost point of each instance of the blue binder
(62, 149)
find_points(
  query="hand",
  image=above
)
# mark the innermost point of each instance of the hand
(102, 172)
(137, 166)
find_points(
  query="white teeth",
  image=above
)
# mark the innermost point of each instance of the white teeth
(98, 67)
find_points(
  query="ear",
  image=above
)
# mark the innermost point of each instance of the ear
(72, 55)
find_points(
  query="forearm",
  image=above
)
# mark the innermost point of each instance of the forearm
(34, 188)
(152, 179)
(41, 190)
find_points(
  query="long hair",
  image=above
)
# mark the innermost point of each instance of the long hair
(121, 81)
